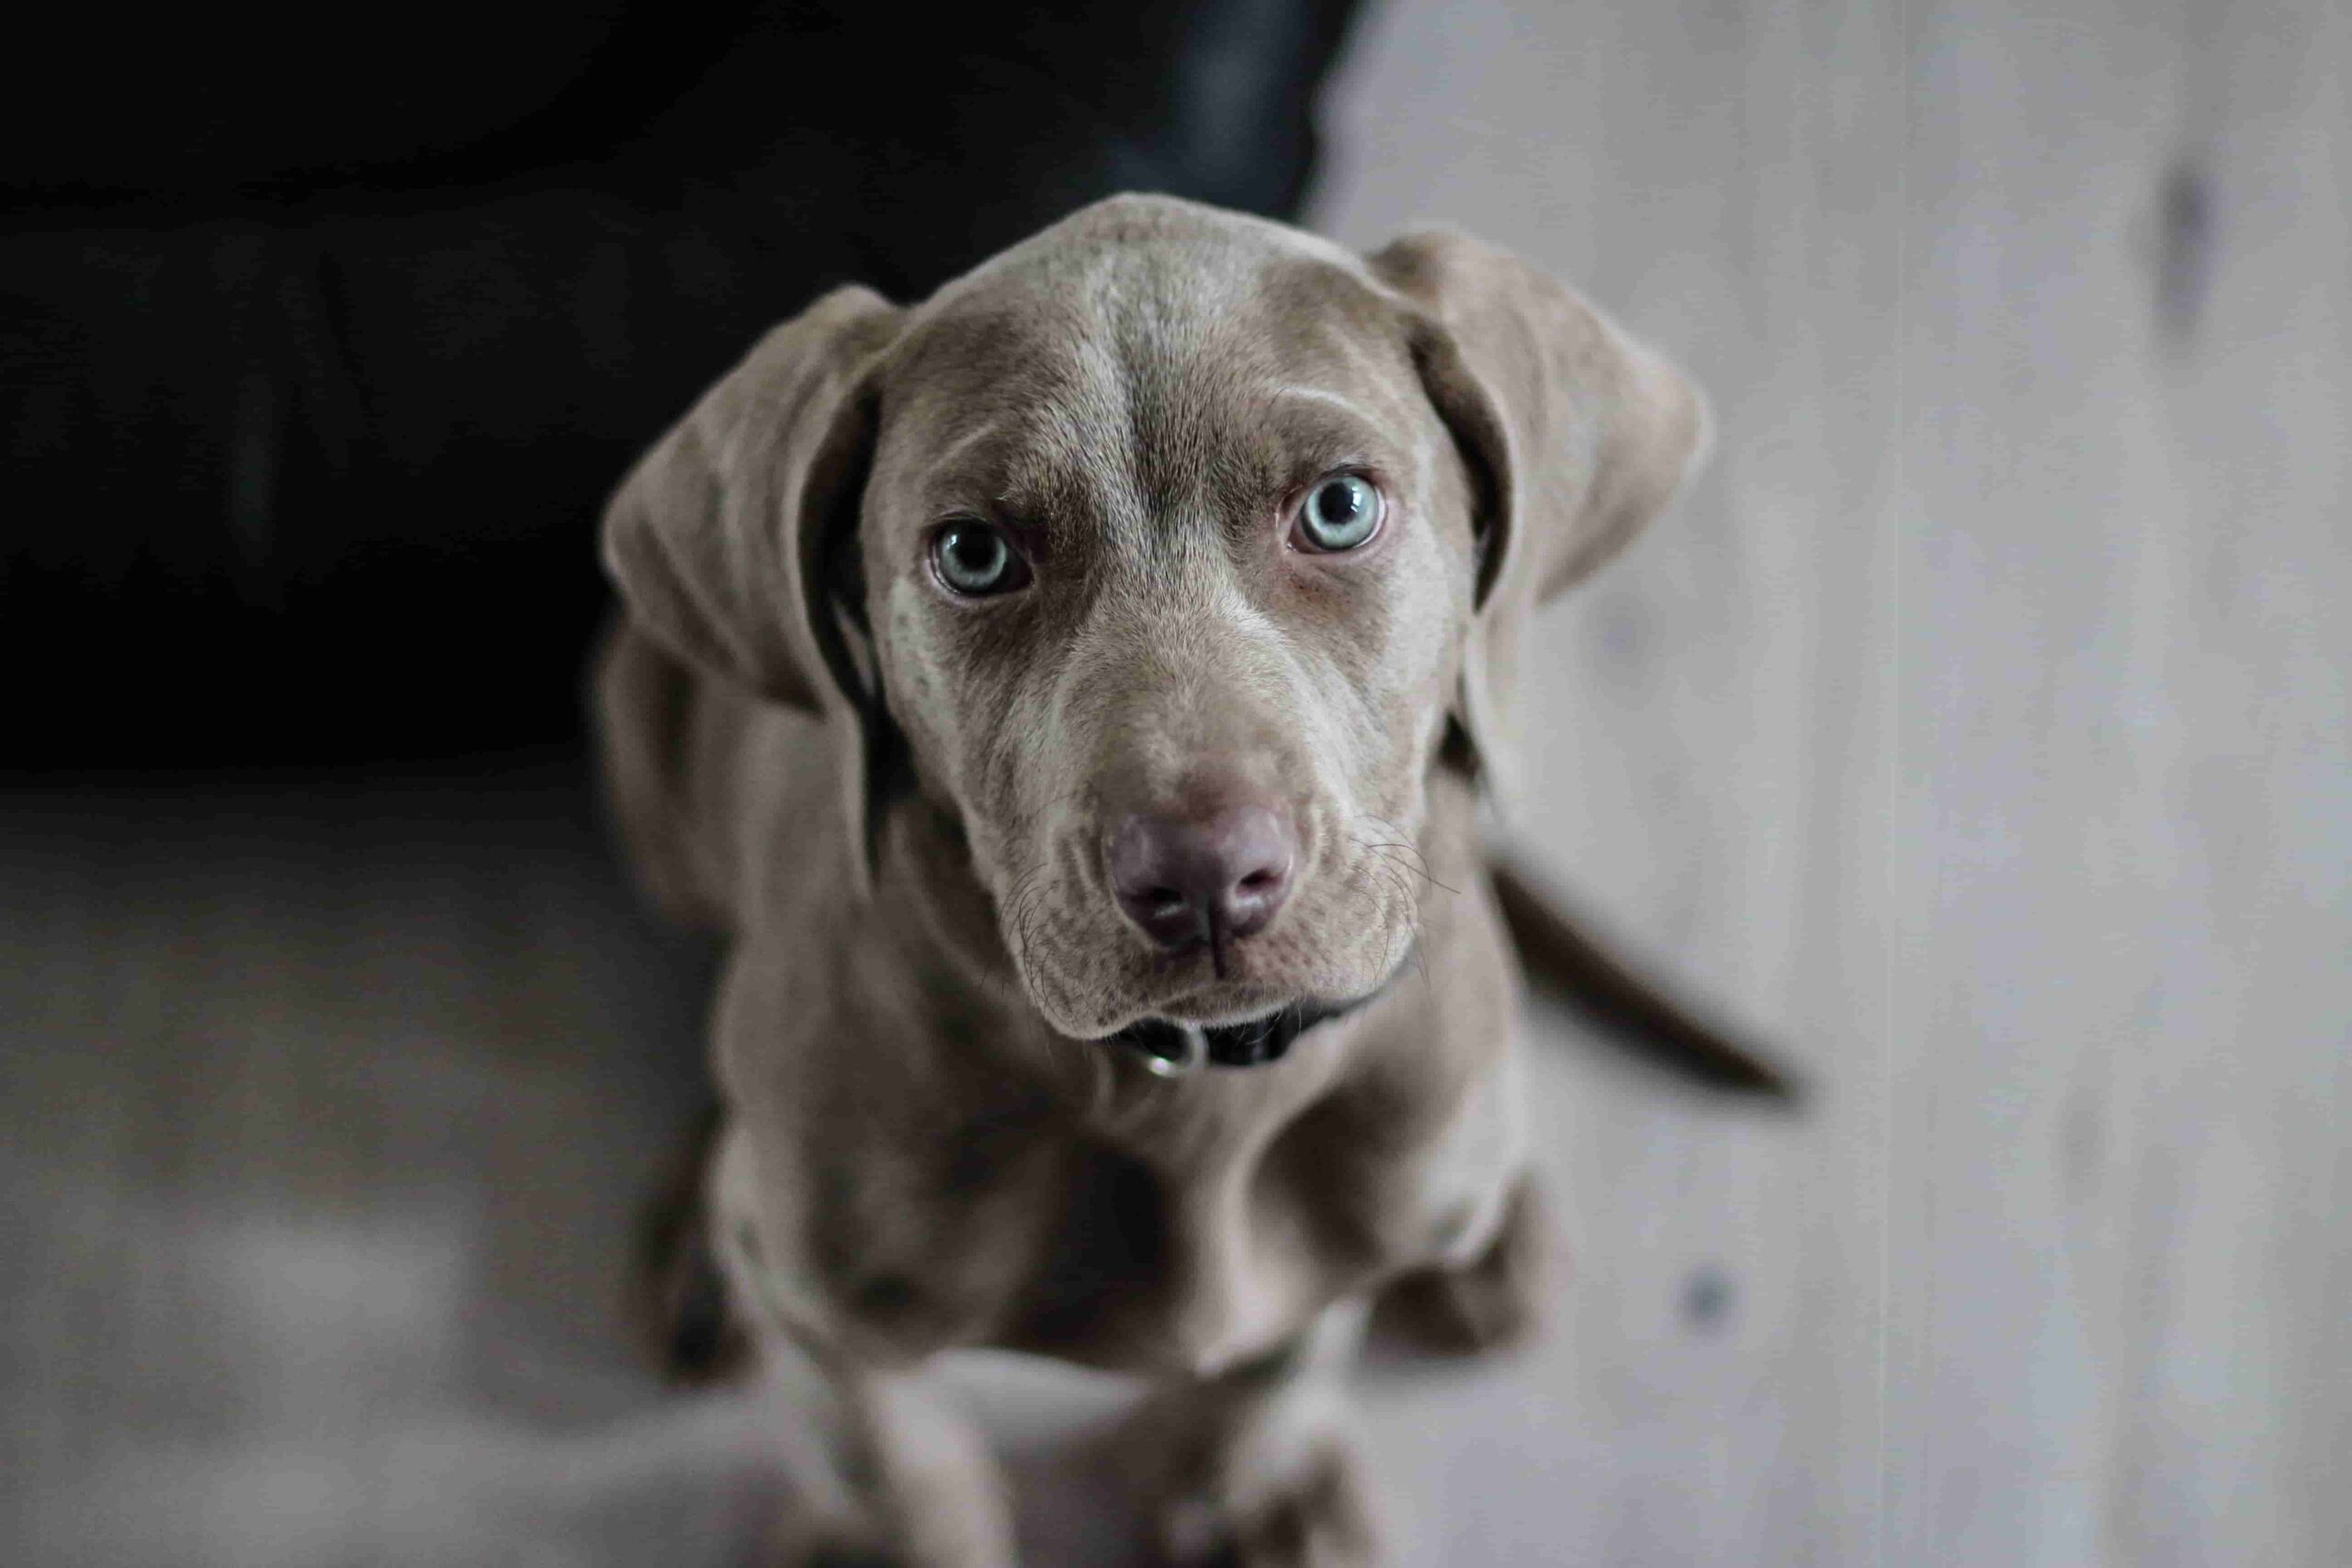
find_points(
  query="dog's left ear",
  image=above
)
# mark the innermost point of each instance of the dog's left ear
(1575, 436)
(734, 540)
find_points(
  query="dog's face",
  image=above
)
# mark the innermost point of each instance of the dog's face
(1163, 544)
(1168, 543)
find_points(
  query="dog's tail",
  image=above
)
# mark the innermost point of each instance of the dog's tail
(1566, 964)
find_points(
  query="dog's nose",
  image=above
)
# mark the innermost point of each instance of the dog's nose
(1206, 878)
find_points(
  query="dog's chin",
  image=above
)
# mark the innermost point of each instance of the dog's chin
(1190, 997)
(1225, 1002)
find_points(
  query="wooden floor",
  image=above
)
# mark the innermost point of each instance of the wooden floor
(326, 1107)
(1981, 727)
(1978, 731)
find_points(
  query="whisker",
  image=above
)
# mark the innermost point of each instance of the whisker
(1402, 842)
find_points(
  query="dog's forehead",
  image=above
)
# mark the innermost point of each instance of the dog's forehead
(1138, 350)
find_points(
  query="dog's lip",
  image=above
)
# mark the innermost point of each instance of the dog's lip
(1224, 1004)
(1182, 1012)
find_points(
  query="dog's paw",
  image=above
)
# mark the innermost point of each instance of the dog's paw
(1498, 1300)
(1313, 1515)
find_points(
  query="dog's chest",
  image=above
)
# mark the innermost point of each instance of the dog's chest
(1156, 1243)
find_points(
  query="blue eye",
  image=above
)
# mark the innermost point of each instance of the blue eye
(974, 558)
(1341, 513)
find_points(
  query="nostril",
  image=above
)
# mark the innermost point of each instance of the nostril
(1183, 879)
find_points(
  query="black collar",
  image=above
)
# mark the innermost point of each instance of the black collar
(1170, 1048)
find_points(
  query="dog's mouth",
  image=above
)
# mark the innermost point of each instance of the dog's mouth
(1172, 1049)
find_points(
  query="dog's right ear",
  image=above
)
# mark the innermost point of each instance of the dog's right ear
(727, 538)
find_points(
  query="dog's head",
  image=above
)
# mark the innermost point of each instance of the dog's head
(1166, 554)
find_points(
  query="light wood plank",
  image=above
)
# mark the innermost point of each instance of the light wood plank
(1980, 724)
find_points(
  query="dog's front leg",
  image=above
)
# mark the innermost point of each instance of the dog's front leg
(880, 1471)
(1498, 1300)
(1253, 1466)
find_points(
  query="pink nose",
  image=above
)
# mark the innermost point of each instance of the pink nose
(1191, 879)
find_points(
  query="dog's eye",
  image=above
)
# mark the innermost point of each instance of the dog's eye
(1341, 513)
(974, 558)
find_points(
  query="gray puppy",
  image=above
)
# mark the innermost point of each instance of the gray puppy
(1065, 693)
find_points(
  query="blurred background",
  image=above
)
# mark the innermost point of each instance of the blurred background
(1976, 731)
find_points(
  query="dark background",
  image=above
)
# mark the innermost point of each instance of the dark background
(326, 336)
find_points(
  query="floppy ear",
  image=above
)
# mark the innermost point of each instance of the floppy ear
(733, 540)
(1575, 434)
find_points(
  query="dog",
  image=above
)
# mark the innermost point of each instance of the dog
(1072, 698)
